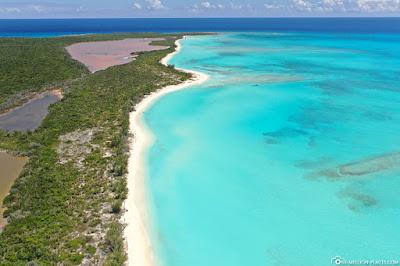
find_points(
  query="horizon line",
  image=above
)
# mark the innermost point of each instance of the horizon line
(244, 17)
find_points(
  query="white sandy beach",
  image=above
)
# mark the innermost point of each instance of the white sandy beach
(137, 232)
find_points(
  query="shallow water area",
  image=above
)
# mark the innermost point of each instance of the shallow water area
(10, 168)
(287, 155)
(30, 115)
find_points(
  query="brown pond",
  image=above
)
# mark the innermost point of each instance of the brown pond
(10, 168)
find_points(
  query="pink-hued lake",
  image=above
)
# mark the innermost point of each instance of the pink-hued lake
(102, 55)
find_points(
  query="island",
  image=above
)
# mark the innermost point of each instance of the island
(71, 162)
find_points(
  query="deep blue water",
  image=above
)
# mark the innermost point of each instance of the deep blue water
(58, 27)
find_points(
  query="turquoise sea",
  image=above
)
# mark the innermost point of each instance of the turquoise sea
(288, 155)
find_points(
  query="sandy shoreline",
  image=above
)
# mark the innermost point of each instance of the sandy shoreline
(137, 231)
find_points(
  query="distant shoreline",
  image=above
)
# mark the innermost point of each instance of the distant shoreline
(137, 232)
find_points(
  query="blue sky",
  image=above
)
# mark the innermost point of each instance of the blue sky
(195, 8)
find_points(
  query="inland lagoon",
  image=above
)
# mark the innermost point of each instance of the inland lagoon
(98, 56)
(287, 155)
(10, 168)
(30, 115)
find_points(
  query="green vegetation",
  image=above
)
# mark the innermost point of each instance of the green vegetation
(30, 65)
(66, 209)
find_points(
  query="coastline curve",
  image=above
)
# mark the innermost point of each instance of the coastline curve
(138, 244)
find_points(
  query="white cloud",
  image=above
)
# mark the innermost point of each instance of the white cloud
(208, 5)
(378, 5)
(333, 2)
(303, 5)
(10, 10)
(333, 5)
(22, 9)
(273, 5)
(137, 6)
(37, 8)
(321, 6)
(342, 6)
(47, 9)
(155, 4)
(236, 6)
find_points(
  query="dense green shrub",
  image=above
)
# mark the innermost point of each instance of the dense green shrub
(51, 203)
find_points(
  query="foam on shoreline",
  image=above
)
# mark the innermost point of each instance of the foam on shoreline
(137, 231)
